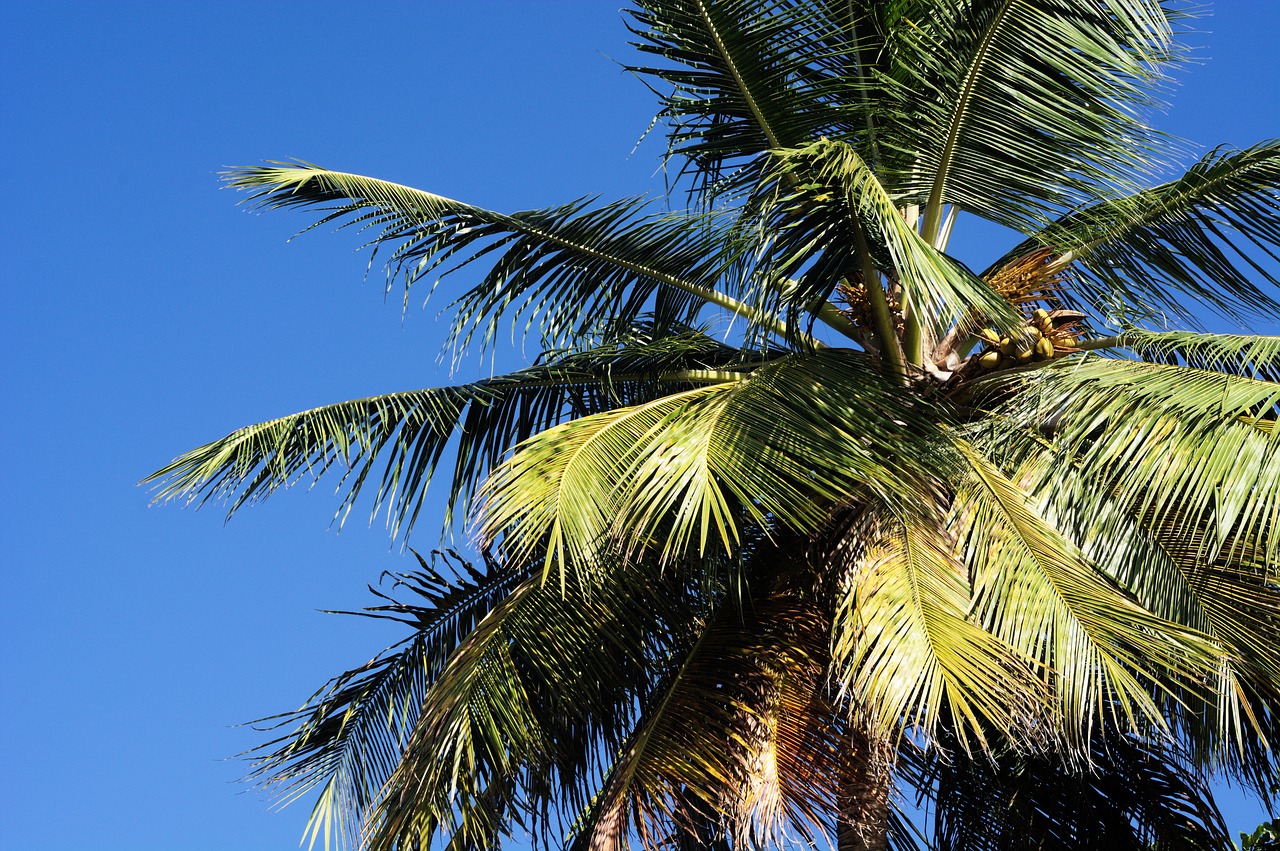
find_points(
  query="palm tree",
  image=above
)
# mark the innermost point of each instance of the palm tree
(1000, 538)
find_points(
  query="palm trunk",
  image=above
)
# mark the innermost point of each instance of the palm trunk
(863, 821)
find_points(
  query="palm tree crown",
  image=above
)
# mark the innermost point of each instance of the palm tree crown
(1001, 539)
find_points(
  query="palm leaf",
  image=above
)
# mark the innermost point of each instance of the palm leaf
(1037, 591)
(736, 733)
(1246, 355)
(572, 270)
(408, 433)
(347, 739)
(747, 77)
(1162, 439)
(905, 647)
(1199, 236)
(518, 717)
(817, 226)
(1017, 109)
(1136, 795)
(788, 441)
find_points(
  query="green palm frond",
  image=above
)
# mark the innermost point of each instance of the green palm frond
(1163, 566)
(346, 740)
(788, 441)
(1246, 355)
(1163, 439)
(1196, 237)
(567, 269)
(817, 227)
(526, 706)
(1104, 654)
(748, 77)
(1019, 109)
(905, 647)
(408, 433)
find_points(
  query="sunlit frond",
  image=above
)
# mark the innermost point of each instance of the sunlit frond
(1104, 655)
(828, 196)
(788, 441)
(906, 648)
(1016, 110)
(1162, 439)
(409, 433)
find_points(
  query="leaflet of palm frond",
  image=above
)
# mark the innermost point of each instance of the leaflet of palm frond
(566, 270)
(747, 77)
(1019, 111)
(407, 434)
(1200, 238)
(906, 651)
(783, 444)
(1102, 654)
(1137, 794)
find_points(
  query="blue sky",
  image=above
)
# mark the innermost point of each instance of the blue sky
(145, 313)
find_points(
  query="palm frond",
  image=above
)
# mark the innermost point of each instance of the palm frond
(347, 739)
(815, 224)
(569, 269)
(1104, 654)
(1019, 109)
(1246, 355)
(736, 737)
(1137, 795)
(748, 77)
(1162, 440)
(409, 433)
(906, 648)
(788, 441)
(518, 719)
(1196, 239)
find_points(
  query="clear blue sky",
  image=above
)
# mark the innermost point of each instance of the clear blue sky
(145, 313)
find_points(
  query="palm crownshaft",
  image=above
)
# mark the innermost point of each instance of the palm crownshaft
(907, 527)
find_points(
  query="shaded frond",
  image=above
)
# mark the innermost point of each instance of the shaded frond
(570, 270)
(1196, 237)
(736, 741)
(347, 739)
(747, 77)
(1135, 796)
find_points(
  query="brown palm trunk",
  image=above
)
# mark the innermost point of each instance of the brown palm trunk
(863, 820)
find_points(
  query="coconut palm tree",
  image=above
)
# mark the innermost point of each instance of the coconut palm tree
(1002, 539)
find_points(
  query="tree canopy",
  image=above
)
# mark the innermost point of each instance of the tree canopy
(797, 518)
